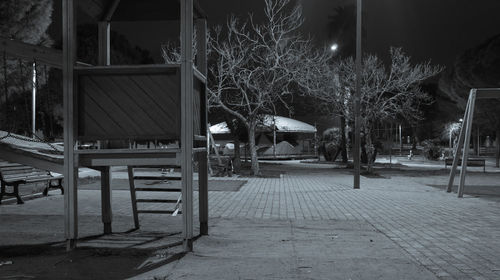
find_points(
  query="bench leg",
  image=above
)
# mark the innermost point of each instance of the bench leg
(46, 190)
(60, 186)
(16, 194)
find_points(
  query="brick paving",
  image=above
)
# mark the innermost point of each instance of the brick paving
(454, 238)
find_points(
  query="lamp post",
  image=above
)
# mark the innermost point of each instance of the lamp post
(33, 101)
(357, 97)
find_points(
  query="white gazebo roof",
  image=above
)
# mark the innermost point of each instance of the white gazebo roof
(283, 124)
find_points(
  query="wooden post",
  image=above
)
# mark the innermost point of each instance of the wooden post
(187, 121)
(103, 43)
(459, 149)
(468, 130)
(203, 191)
(133, 196)
(70, 172)
(201, 61)
(106, 176)
(107, 214)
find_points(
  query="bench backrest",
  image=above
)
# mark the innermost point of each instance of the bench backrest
(12, 172)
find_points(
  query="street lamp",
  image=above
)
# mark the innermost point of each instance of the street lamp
(334, 47)
(357, 98)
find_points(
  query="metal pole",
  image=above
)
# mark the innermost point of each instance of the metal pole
(274, 136)
(357, 97)
(33, 100)
(400, 141)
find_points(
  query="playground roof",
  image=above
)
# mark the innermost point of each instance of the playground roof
(283, 124)
(133, 10)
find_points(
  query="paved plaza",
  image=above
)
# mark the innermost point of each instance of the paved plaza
(310, 224)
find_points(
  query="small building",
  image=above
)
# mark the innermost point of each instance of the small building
(276, 136)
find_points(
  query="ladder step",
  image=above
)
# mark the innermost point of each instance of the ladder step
(157, 212)
(158, 190)
(157, 178)
(157, 200)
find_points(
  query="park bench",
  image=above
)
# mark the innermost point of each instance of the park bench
(14, 174)
(470, 162)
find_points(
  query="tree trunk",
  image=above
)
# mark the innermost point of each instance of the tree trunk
(369, 150)
(497, 154)
(253, 148)
(237, 157)
(343, 141)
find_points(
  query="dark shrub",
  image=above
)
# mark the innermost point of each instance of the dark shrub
(432, 149)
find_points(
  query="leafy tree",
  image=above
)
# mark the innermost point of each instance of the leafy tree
(478, 67)
(26, 21)
(386, 94)
(257, 65)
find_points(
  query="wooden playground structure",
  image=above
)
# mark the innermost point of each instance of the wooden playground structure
(106, 102)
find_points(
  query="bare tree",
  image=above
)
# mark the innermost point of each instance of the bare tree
(257, 66)
(386, 94)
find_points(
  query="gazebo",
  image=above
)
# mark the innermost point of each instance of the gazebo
(122, 102)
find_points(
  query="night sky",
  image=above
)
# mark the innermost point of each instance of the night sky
(426, 29)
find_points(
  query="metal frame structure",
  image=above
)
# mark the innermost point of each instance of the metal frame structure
(465, 134)
(192, 146)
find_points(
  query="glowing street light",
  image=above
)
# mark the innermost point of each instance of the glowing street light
(334, 47)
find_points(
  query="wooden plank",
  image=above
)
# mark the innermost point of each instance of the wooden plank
(129, 69)
(30, 52)
(459, 149)
(106, 197)
(90, 161)
(486, 93)
(133, 196)
(103, 42)
(201, 56)
(157, 212)
(43, 55)
(143, 200)
(129, 106)
(158, 190)
(70, 172)
(203, 191)
(186, 23)
(133, 152)
(468, 130)
(199, 75)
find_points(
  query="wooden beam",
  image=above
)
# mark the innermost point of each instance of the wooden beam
(468, 130)
(485, 93)
(110, 11)
(43, 55)
(187, 121)
(133, 197)
(103, 42)
(106, 212)
(70, 172)
(201, 56)
(203, 191)
(30, 52)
